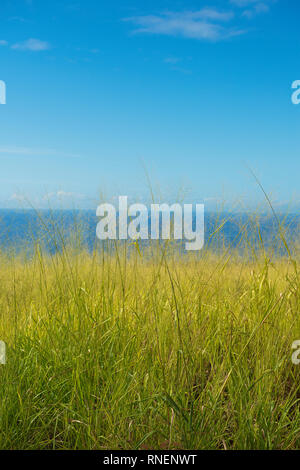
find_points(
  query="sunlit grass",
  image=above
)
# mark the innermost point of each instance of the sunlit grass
(151, 349)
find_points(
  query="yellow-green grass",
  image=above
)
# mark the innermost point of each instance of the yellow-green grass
(112, 350)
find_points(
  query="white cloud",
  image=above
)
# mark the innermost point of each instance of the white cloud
(256, 10)
(27, 151)
(63, 195)
(56, 198)
(211, 14)
(172, 60)
(3, 43)
(202, 24)
(17, 18)
(16, 150)
(259, 6)
(17, 197)
(262, 8)
(244, 3)
(32, 45)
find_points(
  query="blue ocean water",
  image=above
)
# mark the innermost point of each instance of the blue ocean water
(21, 229)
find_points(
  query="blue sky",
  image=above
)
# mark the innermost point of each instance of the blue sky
(194, 91)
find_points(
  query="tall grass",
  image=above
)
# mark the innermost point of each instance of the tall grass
(126, 348)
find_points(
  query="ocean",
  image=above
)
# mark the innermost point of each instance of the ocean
(53, 229)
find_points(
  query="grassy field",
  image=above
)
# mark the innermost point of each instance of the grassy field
(111, 351)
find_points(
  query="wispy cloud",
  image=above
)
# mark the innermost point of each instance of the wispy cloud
(207, 24)
(183, 70)
(256, 10)
(61, 194)
(17, 197)
(55, 197)
(175, 64)
(17, 18)
(26, 151)
(172, 60)
(253, 7)
(244, 3)
(32, 45)
(3, 42)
